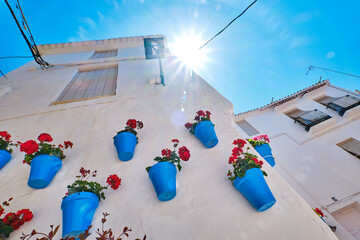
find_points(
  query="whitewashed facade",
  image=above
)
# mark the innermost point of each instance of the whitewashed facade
(207, 206)
(323, 163)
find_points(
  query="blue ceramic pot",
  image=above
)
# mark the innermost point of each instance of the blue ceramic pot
(43, 169)
(5, 157)
(205, 132)
(265, 151)
(125, 143)
(163, 177)
(255, 189)
(78, 211)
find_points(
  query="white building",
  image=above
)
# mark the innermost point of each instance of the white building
(315, 138)
(65, 102)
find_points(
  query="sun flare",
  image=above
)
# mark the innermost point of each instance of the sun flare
(186, 48)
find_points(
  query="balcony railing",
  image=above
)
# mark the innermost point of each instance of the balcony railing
(341, 105)
(309, 119)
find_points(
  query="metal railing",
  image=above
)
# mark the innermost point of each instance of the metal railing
(311, 118)
(341, 105)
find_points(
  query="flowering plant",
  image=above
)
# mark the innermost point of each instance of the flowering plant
(102, 235)
(172, 156)
(33, 149)
(83, 185)
(5, 141)
(131, 125)
(242, 161)
(259, 140)
(13, 221)
(318, 212)
(200, 116)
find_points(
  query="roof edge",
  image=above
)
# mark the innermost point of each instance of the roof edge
(289, 97)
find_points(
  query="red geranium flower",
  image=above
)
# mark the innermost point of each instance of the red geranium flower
(184, 153)
(188, 125)
(25, 214)
(68, 144)
(201, 113)
(29, 147)
(237, 151)
(114, 181)
(131, 123)
(45, 137)
(319, 212)
(166, 152)
(232, 159)
(175, 141)
(241, 143)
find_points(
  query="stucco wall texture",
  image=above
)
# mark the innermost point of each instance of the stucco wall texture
(206, 206)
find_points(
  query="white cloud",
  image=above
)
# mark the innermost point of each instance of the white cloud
(90, 22)
(81, 32)
(141, 1)
(305, 16)
(101, 16)
(330, 55)
(284, 34)
(300, 41)
(116, 5)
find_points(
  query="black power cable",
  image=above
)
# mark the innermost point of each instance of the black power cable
(228, 25)
(34, 50)
(16, 57)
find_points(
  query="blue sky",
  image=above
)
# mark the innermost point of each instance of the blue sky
(264, 54)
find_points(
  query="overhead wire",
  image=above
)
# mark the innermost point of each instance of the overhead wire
(326, 69)
(227, 25)
(32, 45)
(16, 57)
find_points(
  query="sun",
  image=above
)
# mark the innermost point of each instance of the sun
(186, 48)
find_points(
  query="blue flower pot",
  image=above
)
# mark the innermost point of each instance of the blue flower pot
(265, 151)
(5, 157)
(205, 132)
(78, 211)
(125, 143)
(163, 177)
(255, 189)
(322, 219)
(43, 169)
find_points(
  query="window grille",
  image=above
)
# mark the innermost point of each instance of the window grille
(90, 84)
(154, 48)
(104, 54)
(342, 104)
(311, 118)
(352, 146)
(247, 128)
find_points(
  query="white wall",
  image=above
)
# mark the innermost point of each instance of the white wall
(311, 162)
(207, 206)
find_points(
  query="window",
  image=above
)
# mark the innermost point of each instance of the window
(154, 48)
(308, 118)
(340, 104)
(104, 54)
(90, 84)
(352, 146)
(247, 128)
